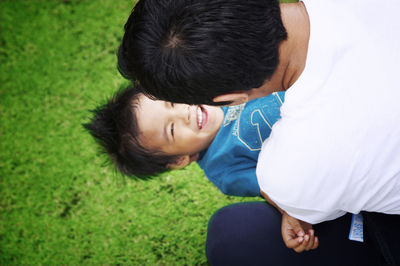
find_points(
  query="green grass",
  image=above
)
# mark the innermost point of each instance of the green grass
(60, 202)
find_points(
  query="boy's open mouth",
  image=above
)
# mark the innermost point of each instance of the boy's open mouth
(201, 116)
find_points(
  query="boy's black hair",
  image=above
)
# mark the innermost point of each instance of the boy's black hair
(114, 125)
(190, 51)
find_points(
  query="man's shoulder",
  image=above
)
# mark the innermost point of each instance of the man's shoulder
(293, 164)
(278, 169)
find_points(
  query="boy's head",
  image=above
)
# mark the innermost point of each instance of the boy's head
(145, 136)
(192, 51)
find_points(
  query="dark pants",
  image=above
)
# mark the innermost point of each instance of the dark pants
(250, 234)
(382, 236)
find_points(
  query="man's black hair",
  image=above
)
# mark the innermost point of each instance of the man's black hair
(114, 125)
(190, 51)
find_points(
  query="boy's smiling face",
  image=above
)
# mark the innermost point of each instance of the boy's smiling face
(177, 129)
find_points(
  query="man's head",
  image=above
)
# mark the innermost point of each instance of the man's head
(193, 51)
(145, 136)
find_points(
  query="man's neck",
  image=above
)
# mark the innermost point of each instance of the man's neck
(292, 51)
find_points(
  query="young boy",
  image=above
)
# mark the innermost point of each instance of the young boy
(145, 137)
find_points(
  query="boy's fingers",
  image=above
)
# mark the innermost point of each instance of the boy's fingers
(303, 244)
(298, 229)
(310, 242)
(316, 243)
(294, 242)
(299, 249)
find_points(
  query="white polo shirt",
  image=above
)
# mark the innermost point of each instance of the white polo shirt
(336, 148)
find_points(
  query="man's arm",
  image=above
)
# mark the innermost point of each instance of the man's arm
(293, 230)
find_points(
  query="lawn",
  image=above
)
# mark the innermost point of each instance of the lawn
(60, 201)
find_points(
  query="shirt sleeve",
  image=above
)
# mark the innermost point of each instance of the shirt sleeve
(309, 215)
(300, 179)
(240, 182)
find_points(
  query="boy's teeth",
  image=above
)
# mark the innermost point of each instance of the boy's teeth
(199, 117)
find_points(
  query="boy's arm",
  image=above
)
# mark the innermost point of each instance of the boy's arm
(293, 230)
(235, 179)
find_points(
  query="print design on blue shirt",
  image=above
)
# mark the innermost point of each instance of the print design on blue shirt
(260, 124)
(233, 113)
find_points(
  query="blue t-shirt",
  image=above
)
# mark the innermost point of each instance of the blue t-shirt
(230, 161)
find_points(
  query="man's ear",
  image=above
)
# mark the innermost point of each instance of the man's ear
(183, 161)
(235, 98)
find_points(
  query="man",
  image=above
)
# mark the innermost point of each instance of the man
(336, 148)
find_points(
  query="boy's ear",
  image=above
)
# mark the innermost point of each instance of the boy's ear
(183, 161)
(234, 97)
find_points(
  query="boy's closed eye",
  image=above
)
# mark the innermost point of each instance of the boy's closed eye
(172, 130)
(172, 124)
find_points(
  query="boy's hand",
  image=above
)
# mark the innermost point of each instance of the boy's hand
(297, 234)
(294, 231)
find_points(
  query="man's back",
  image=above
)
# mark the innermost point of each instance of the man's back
(339, 132)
